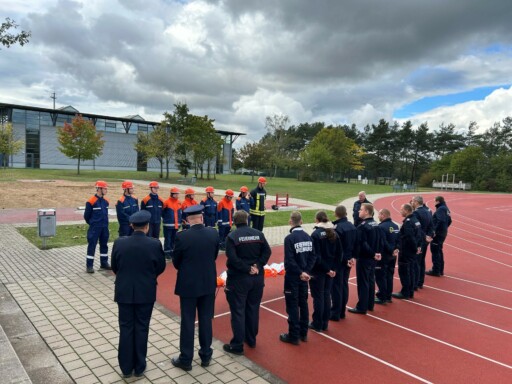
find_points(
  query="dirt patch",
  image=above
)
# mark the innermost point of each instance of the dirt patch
(63, 193)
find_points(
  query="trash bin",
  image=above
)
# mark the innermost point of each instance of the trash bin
(46, 223)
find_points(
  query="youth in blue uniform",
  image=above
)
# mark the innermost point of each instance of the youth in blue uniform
(137, 261)
(194, 256)
(385, 268)
(126, 206)
(247, 252)
(154, 204)
(210, 208)
(348, 236)
(424, 216)
(369, 248)
(327, 246)
(96, 215)
(441, 221)
(244, 202)
(299, 258)
(410, 239)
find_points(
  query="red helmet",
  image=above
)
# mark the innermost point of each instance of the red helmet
(262, 180)
(154, 184)
(244, 189)
(229, 192)
(126, 185)
(101, 184)
(175, 190)
(189, 191)
(209, 189)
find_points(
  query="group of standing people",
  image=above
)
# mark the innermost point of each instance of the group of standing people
(138, 258)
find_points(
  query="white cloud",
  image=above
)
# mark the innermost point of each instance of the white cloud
(494, 108)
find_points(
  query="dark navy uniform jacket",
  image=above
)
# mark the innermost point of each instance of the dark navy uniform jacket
(441, 219)
(137, 260)
(348, 236)
(195, 252)
(410, 236)
(244, 247)
(210, 207)
(355, 209)
(299, 255)
(154, 204)
(424, 216)
(369, 239)
(328, 253)
(391, 234)
(96, 211)
(125, 207)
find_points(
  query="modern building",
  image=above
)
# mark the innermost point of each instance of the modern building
(37, 128)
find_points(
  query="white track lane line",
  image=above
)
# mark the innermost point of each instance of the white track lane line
(458, 317)
(474, 234)
(474, 282)
(461, 295)
(481, 245)
(476, 254)
(480, 229)
(358, 350)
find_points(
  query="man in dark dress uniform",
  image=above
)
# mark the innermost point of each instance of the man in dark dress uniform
(361, 199)
(247, 251)
(137, 260)
(441, 221)
(410, 240)
(194, 256)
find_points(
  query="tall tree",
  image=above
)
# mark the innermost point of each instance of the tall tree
(7, 39)
(79, 140)
(275, 140)
(253, 156)
(204, 142)
(9, 145)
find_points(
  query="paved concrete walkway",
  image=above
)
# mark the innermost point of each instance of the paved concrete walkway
(59, 324)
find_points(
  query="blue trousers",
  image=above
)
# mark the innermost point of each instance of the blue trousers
(169, 237)
(436, 247)
(204, 306)
(125, 230)
(406, 274)
(95, 234)
(210, 220)
(384, 272)
(154, 230)
(296, 299)
(223, 233)
(244, 297)
(339, 292)
(365, 272)
(320, 288)
(133, 336)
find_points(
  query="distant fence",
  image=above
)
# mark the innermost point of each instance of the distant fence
(444, 185)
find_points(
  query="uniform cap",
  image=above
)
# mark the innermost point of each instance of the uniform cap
(244, 189)
(101, 184)
(126, 185)
(154, 184)
(140, 218)
(262, 180)
(229, 192)
(194, 210)
(189, 191)
(175, 190)
(209, 189)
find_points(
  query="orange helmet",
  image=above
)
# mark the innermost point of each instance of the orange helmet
(101, 184)
(175, 190)
(229, 192)
(126, 185)
(209, 189)
(244, 189)
(262, 180)
(189, 191)
(154, 184)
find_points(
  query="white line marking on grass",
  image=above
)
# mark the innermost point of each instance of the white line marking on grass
(359, 351)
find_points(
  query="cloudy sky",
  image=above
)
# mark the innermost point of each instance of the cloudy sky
(237, 61)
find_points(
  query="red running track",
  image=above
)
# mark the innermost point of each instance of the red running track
(458, 329)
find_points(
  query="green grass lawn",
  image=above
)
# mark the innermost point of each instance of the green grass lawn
(76, 234)
(327, 193)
